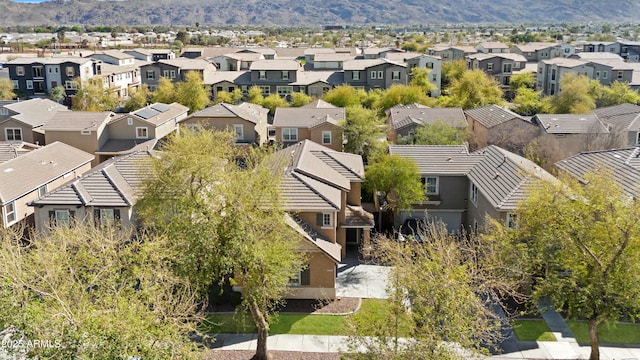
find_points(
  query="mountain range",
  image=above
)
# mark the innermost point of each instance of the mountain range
(313, 12)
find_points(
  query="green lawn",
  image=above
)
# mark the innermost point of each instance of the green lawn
(292, 323)
(607, 333)
(532, 330)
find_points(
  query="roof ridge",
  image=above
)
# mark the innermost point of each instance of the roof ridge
(634, 154)
(340, 163)
(296, 175)
(108, 173)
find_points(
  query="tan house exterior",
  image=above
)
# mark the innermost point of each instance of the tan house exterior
(20, 120)
(320, 125)
(248, 121)
(25, 178)
(494, 125)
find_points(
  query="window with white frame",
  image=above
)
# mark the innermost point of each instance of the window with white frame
(13, 134)
(429, 65)
(165, 73)
(512, 220)
(4, 111)
(265, 90)
(620, 75)
(16, 84)
(42, 190)
(10, 213)
(238, 129)
(431, 184)
(61, 217)
(284, 90)
(506, 68)
(172, 74)
(326, 220)
(70, 71)
(374, 74)
(326, 137)
(29, 84)
(489, 66)
(129, 121)
(597, 74)
(604, 74)
(142, 133)
(151, 74)
(20, 70)
(474, 194)
(290, 134)
(380, 75)
(395, 75)
(70, 85)
(355, 75)
(516, 64)
(262, 75)
(285, 75)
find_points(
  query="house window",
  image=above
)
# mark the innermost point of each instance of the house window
(597, 74)
(373, 75)
(172, 74)
(262, 75)
(553, 74)
(301, 278)
(151, 74)
(61, 217)
(604, 74)
(10, 213)
(37, 71)
(70, 85)
(42, 190)
(506, 68)
(16, 84)
(290, 134)
(129, 121)
(326, 137)
(238, 129)
(512, 220)
(285, 75)
(13, 134)
(620, 75)
(474, 194)
(429, 65)
(4, 111)
(106, 217)
(142, 133)
(165, 73)
(284, 90)
(395, 75)
(265, 90)
(85, 132)
(29, 84)
(506, 80)
(516, 64)
(489, 66)
(70, 71)
(430, 185)
(20, 70)
(355, 75)
(325, 220)
(380, 75)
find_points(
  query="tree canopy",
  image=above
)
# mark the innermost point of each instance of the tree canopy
(363, 130)
(575, 96)
(437, 133)
(6, 90)
(397, 178)
(92, 96)
(399, 94)
(138, 98)
(471, 90)
(618, 93)
(344, 96)
(191, 92)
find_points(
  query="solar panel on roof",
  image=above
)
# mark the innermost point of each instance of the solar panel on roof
(147, 113)
(161, 107)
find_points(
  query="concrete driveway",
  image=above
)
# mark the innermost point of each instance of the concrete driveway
(362, 281)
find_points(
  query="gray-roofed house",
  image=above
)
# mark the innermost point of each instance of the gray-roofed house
(20, 121)
(248, 121)
(374, 73)
(492, 47)
(321, 190)
(35, 77)
(624, 120)
(500, 66)
(320, 125)
(494, 125)
(550, 73)
(104, 195)
(33, 174)
(236, 61)
(574, 132)
(175, 70)
(12, 149)
(275, 76)
(464, 188)
(402, 123)
(538, 51)
(449, 52)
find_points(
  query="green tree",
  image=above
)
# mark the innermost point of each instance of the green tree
(452, 70)
(438, 133)
(401, 95)
(96, 293)
(397, 178)
(526, 80)
(57, 94)
(618, 93)
(343, 96)
(420, 78)
(473, 89)
(575, 96)
(93, 97)
(6, 90)
(274, 101)
(363, 131)
(165, 92)
(192, 92)
(229, 97)
(583, 243)
(529, 102)
(255, 95)
(225, 222)
(138, 98)
(300, 99)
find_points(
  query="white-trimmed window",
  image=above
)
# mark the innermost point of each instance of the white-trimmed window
(474, 194)
(326, 137)
(395, 75)
(142, 133)
(380, 75)
(20, 70)
(431, 185)
(151, 74)
(10, 213)
(285, 75)
(506, 68)
(597, 74)
(42, 190)
(70, 71)
(4, 111)
(489, 66)
(325, 220)
(516, 65)
(129, 121)
(620, 75)
(13, 134)
(265, 90)
(29, 84)
(355, 75)
(284, 90)
(604, 74)
(61, 217)
(374, 75)
(262, 75)
(512, 220)
(238, 129)
(290, 134)
(16, 84)
(165, 73)
(70, 85)
(172, 74)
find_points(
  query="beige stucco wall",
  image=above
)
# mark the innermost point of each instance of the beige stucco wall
(121, 130)
(82, 214)
(88, 143)
(327, 233)
(27, 132)
(315, 135)
(226, 124)
(479, 132)
(354, 195)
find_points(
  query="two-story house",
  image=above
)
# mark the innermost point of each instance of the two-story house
(403, 122)
(448, 52)
(275, 76)
(550, 73)
(248, 121)
(21, 120)
(374, 74)
(500, 66)
(35, 77)
(434, 64)
(624, 120)
(538, 51)
(175, 70)
(320, 125)
(31, 175)
(494, 125)
(236, 61)
(492, 47)
(574, 133)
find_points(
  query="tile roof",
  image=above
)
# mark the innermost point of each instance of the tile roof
(30, 171)
(155, 114)
(116, 54)
(401, 118)
(492, 115)
(35, 112)
(535, 46)
(115, 182)
(365, 64)
(306, 78)
(50, 60)
(314, 176)
(508, 56)
(333, 250)
(275, 65)
(597, 56)
(493, 45)
(214, 77)
(624, 163)
(77, 120)
(307, 117)
(250, 112)
(318, 104)
(356, 216)
(333, 57)
(189, 64)
(571, 124)
(626, 115)
(12, 149)
(564, 62)
(438, 159)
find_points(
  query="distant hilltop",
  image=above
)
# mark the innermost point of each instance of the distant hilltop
(311, 12)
